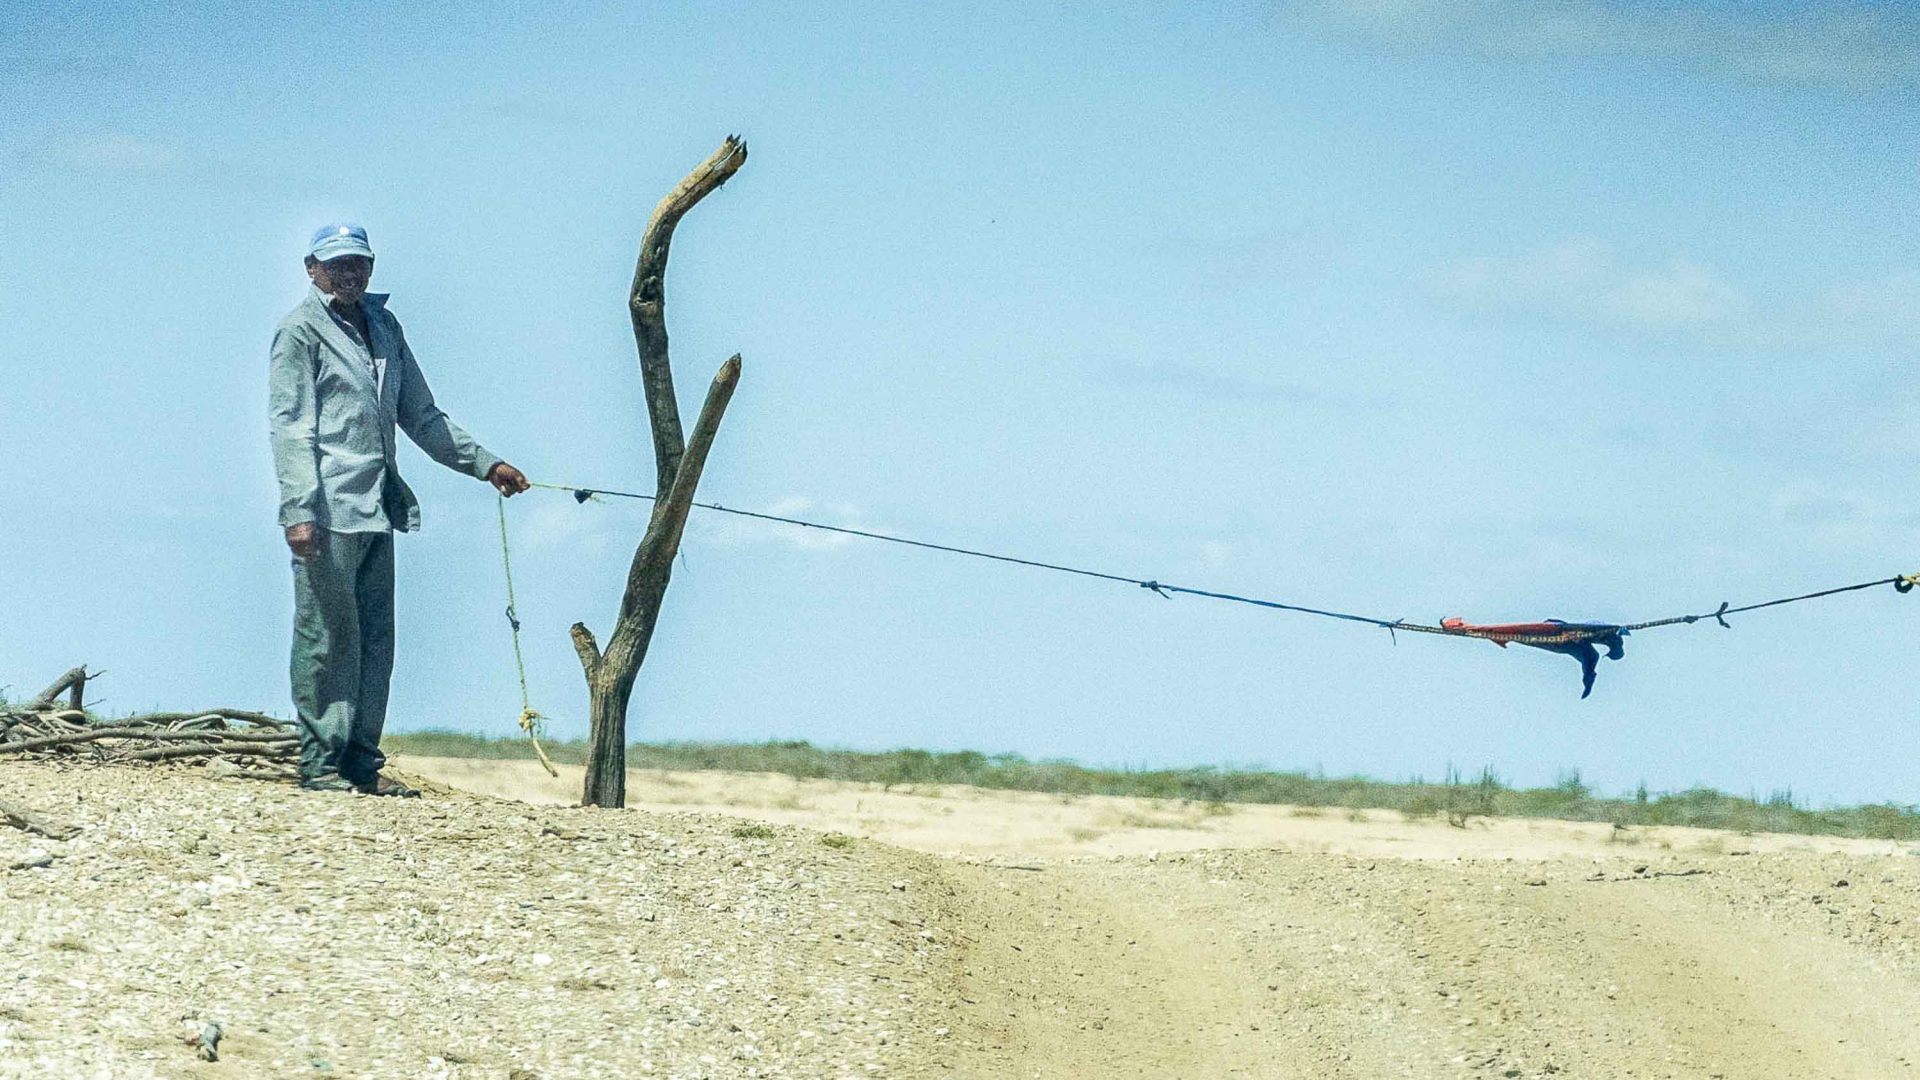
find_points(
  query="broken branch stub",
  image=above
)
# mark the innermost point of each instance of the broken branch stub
(74, 682)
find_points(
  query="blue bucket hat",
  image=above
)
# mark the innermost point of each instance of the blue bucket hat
(333, 241)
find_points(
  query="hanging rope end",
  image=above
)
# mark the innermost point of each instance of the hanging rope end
(530, 723)
(1156, 588)
(1720, 616)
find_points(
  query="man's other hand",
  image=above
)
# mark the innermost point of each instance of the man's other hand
(507, 480)
(303, 540)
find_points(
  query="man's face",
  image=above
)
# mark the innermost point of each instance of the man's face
(344, 278)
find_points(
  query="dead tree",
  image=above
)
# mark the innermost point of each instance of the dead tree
(677, 462)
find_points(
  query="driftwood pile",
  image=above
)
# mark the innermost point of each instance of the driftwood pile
(242, 740)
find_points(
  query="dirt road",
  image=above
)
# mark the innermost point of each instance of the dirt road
(1097, 937)
(1265, 964)
(464, 936)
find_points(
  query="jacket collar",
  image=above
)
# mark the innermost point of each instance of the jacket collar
(373, 301)
(329, 326)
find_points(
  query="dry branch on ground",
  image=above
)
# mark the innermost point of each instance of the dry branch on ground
(263, 744)
(21, 818)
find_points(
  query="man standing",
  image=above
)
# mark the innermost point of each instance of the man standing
(341, 378)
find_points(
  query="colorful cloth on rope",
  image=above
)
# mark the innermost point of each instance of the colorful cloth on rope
(1577, 640)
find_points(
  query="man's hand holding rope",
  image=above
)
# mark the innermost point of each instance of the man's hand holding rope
(507, 480)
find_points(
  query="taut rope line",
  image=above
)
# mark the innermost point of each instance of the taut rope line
(1901, 582)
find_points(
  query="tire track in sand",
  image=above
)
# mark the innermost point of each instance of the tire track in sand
(1268, 964)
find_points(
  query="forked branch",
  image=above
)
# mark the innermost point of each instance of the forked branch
(647, 302)
(677, 468)
(669, 520)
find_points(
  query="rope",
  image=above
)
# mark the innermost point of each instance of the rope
(1903, 582)
(529, 719)
(583, 494)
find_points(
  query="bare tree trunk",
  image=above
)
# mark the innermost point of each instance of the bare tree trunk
(678, 464)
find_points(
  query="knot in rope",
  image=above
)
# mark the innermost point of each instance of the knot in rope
(530, 723)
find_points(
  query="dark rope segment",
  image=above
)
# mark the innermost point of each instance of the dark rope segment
(1902, 582)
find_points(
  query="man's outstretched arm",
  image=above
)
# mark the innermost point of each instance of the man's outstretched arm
(443, 440)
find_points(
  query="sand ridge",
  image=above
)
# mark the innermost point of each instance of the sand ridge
(954, 820)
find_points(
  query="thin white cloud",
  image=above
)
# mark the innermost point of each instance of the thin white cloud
(1807, 506)
(113, 152)
(1844, 47)
(1216, 554)
(1888, 305)
(1888, 431)
(731, 531)
(559, 524)
(1838, 516)
(1226, 385)
(527, 109)
(1585, 280)
(1681, 293)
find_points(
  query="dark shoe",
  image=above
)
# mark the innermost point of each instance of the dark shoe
(327, 782)
(386, 785)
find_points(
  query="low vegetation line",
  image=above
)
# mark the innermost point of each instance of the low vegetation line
(1456, 796)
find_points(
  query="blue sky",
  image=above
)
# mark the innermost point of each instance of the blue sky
(1406, 308)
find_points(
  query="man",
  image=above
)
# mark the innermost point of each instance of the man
(341, 378)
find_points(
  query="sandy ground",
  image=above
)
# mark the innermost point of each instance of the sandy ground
(1114, 937)
(450, 937)
(491, 930)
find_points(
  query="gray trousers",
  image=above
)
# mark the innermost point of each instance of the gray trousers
(343, 653)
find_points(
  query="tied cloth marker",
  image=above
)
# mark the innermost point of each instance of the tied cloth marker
(1578, 640)
(529, 719)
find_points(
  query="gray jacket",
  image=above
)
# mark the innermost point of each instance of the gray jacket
(331, 420)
